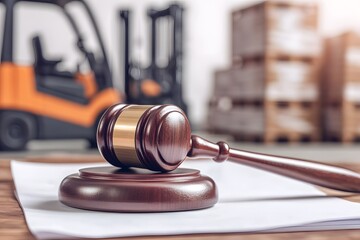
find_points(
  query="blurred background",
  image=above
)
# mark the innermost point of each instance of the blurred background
(273, 71)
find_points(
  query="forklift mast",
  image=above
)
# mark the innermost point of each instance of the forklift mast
(124, 15)
(167, 78)
(7, 46)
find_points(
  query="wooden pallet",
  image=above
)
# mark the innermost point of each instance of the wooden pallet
(342, 122)
(279, 138)
(268, 121)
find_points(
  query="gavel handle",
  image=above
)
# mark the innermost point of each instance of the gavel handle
(308, 171)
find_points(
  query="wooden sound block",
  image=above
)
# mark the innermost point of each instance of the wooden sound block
(137, 190)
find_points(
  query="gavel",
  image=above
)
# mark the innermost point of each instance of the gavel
(159, 138)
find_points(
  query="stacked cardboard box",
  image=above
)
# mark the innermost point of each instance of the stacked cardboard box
(275, 28)
(341, 88)
(271, 92)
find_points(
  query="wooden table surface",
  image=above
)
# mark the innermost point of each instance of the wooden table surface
(13, 226)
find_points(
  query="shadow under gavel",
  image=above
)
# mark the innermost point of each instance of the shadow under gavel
(158, 138)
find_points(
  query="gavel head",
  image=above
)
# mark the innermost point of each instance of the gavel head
(152, 137)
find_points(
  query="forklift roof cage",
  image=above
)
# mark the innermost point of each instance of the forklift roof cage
(7, 45)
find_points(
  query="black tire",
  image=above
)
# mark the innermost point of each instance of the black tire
(16, 129)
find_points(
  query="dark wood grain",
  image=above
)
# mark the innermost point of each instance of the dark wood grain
(105, 132)
(13, 226)
(320, 174)
(165, 140)
(118, 190)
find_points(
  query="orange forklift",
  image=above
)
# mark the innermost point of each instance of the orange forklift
(42, 101)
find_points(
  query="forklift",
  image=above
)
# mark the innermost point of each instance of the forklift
(156, 83)
(42, 101)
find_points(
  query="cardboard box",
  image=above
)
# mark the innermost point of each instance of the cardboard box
(275, 28)
(270, 80)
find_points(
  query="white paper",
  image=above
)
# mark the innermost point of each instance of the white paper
(250, 200)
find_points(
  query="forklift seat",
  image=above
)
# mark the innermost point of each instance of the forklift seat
(53, 81)
(44, 66)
